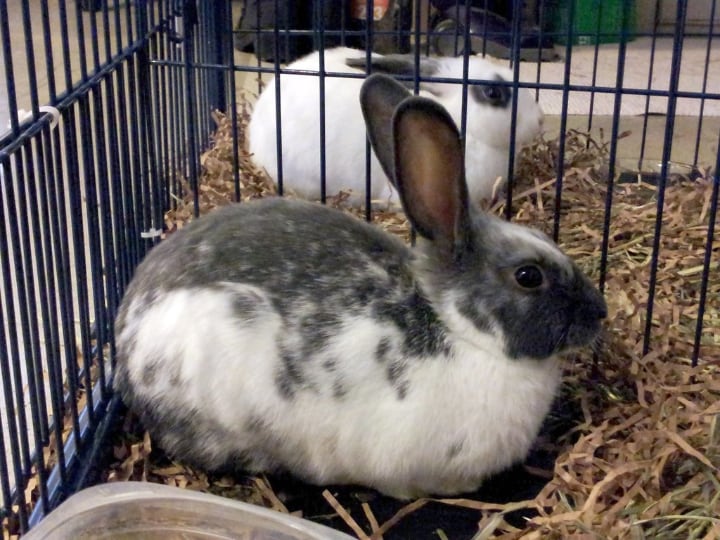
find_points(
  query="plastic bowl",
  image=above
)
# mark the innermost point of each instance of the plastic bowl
(145, 511)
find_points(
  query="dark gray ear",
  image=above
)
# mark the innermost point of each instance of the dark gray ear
(395, 64)
(430, 174)
(379, 97)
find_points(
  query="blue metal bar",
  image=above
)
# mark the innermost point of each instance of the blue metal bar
(369, 38)
(707, 259)
(320, 25)
(667, 147)
(522, 84)
(30, 59)
(191, 105)
(49, 60)
(152, 211)
(127, 214)
(596, 54)
(465, 71)
(81, 43)
(65, 40)
(50, 319)
(37, 295)
(9, 362)
(5, 493)
(94, 38)
(160, 93)
(278, 96)
(646, 116)
(229, 61)
(541, 36)
(9, 68)
(708, 49)
(619, 80)
(28, 314)
(90, 287)
(177, 118)
(136, 171)
(61, 239)
(515, 62)
(560, 165)
(100, 227)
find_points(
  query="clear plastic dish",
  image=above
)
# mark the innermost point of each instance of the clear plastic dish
(145, 511)
(648, 171)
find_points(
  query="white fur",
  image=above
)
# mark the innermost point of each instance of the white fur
(531, 240)
(326, 383)
(476, 397)
(487, 137)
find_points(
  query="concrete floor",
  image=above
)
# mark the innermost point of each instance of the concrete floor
(684, 139)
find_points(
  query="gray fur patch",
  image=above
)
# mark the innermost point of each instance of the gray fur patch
(175, 376)
(424, 334)
(455, 449)
(290, 376)
(255, 423)
(186, 435)
(383, 350)
(316, 330)
(470, 308)
(339, 389)
(396, 377)
(150, 372)
(330, 365)
(396, 64)
(245, 305)
(536, 323)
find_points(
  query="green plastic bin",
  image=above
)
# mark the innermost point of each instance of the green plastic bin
(594, 21)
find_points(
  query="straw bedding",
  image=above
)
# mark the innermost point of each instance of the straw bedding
(640, 455)
(636, 436)
(631, 448)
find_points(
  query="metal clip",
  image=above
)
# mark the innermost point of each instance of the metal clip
(24, 115)
(184, 15)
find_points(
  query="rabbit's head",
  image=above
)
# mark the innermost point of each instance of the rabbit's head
(489, 96)
(487, 276)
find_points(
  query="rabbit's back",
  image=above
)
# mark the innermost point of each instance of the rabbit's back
(284, 334)
(269, 345)
(344, 149)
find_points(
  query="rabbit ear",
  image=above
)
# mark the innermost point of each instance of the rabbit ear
(395, 64)
(379, 97)
(430, 174)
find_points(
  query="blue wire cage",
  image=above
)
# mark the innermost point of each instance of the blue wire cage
(119, 98)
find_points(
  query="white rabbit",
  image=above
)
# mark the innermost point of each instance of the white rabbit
(282, 334)
(488, 122)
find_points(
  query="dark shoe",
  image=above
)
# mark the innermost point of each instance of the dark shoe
(489, 34)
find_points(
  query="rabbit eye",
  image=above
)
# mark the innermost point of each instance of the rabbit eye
(529, 276)
(493, 93)
(495, 96)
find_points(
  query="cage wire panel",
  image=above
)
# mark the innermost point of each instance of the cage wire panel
(110, 105)
(105, 110)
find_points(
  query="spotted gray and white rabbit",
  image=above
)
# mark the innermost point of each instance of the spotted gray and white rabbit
(285, 335)
(487, 139)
